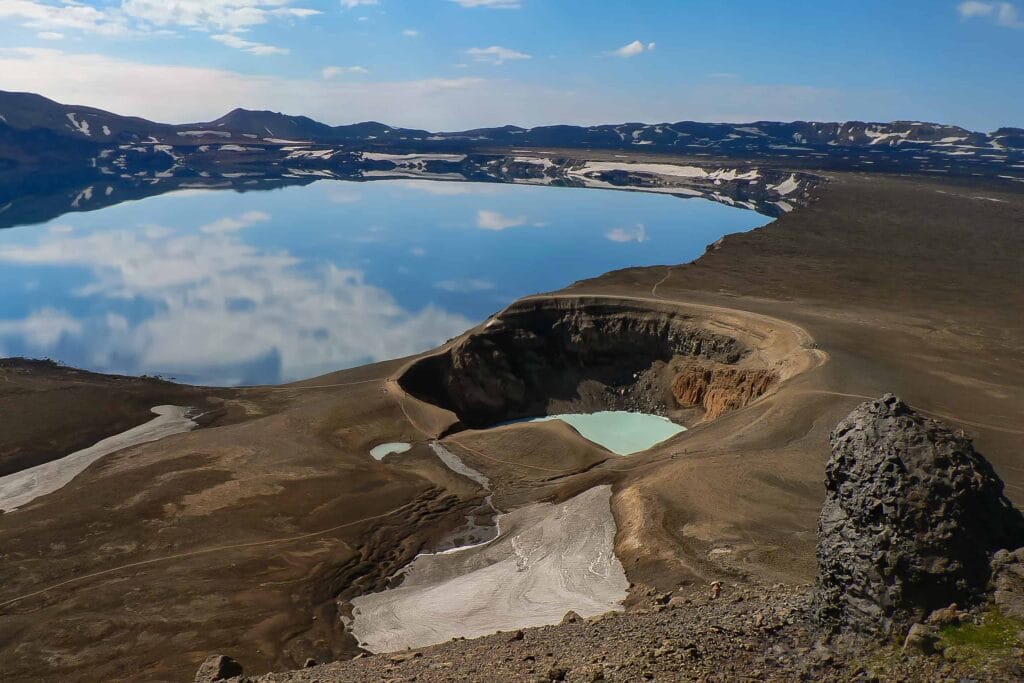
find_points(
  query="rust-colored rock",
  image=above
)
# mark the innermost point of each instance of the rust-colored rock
(719, 390)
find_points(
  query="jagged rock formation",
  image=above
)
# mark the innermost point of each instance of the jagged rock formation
(719, 390)
(911, 517)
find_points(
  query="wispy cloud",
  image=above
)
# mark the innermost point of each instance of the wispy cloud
(410, 33)
(252, 47)
(493, 4)
(633, 49)
(495, 54)
(67, 17)
(1002, 13)
(492, 220)
(148, 16)
(50, 35)
(351, 4)
(211, 15)
(465, 286)
(329, 72)
(638, 233)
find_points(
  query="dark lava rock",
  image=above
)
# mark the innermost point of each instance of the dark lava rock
(218, 668)
(911, 515)
(1008, 582)
(922, 639)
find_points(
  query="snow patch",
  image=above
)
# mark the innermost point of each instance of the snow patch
(81, 126)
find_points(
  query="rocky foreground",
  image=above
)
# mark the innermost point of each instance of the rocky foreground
(918, 581)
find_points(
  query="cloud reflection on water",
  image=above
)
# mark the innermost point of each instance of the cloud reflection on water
(221, 304)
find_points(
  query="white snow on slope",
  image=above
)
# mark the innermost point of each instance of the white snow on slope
(374, 156)
(81, 126)
(85, 194)
(787, 186)
(201, 133)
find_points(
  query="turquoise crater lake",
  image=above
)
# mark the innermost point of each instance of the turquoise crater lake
(621, 432)
(228, 288)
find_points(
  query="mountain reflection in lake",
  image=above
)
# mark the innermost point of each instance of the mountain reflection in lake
(225, 288)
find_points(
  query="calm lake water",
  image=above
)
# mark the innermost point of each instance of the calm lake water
(265, 287)
(621, 432)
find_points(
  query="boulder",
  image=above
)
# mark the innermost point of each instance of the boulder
(1008, 582)
(912, 515)
(218, 668)
(922, 639)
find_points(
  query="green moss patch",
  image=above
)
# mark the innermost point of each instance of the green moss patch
(995, 635)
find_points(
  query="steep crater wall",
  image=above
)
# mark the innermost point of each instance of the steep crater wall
(545, 356)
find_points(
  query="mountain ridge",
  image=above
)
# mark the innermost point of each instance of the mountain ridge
(31, 110)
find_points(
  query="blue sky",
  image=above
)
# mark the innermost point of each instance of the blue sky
(448, 64)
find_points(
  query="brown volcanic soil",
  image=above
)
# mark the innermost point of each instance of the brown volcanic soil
(238, 538)
(50, 410)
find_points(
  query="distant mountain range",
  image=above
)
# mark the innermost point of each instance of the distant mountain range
(902, 145)
(57, 158)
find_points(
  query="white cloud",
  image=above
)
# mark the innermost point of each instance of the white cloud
(1002, 13)
(67, 16)
(637, 233)
(50, 35)
(351, 4)
(493, 4)
(186, 93)
(495, 54)
(209, 15)
(233, 223)
(231, 40)
(465, 286)
(492, 220)
(146, 16)
(333, 71)
(633, 49)
(410, 33)
(418, 251)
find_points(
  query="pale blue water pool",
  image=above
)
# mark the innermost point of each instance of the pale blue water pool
(380, 451)
(621, 432)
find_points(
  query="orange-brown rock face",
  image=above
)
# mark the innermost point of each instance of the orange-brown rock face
(719, 389)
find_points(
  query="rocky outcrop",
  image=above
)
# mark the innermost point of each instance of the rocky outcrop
(911, 517)
(218, 668)
(718, 390)
(1008, 582)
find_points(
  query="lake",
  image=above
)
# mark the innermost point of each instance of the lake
(620, 431)
(224, 288)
